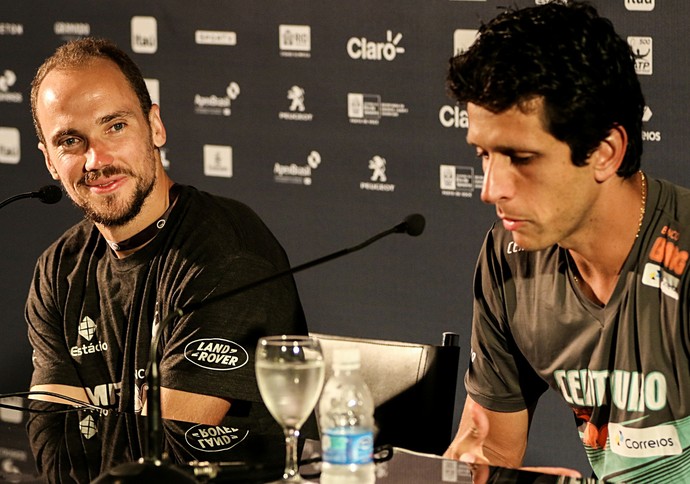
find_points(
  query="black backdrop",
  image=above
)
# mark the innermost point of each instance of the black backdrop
(331, 120)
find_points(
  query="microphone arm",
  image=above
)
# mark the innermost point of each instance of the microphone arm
(413, 225)
(47, 194)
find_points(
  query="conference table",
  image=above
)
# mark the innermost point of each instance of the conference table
(48, 442)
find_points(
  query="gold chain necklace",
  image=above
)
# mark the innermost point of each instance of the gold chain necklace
(644, 202)
(643, 179)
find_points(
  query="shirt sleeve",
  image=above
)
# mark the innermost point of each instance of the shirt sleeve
(51, 359)
(498, 378)
(211, 350)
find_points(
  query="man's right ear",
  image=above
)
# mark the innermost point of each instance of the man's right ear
(49, 165)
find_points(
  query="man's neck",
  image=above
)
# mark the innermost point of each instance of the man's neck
(154, 207)
(602, 250)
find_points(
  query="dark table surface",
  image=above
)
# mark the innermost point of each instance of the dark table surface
(42, 442)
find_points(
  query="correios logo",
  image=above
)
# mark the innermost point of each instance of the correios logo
(216, 354)
(215, 438)
(365, 49)
(645, 442)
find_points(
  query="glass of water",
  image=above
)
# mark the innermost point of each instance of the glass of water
(290, 374)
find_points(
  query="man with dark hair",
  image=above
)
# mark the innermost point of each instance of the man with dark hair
(147, 246)
(583, 285)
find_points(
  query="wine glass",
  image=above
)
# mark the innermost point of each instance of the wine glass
(290, 373)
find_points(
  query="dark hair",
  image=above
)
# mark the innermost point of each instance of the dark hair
(570, 57)
(79, 53)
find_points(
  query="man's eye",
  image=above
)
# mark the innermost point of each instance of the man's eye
(118, 126)
(69, 142)
(520, 160)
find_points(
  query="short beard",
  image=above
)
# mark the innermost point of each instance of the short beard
(113, 219)
(111, 216)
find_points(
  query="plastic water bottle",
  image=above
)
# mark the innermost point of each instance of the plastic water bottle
(346, 420)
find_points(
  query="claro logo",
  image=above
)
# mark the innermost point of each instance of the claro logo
(216, 354)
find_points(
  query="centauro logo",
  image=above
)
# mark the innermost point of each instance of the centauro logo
(214, 438)
(216, 354)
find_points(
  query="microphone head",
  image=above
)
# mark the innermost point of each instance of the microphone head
(414, 224)
(49, 194)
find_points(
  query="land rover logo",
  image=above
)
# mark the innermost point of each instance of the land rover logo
(216, 354)
(214, 438)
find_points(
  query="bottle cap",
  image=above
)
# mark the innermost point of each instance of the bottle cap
(346, 358)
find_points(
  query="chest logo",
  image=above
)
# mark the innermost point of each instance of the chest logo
(216, 354)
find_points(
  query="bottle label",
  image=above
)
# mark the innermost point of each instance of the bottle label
(347, 446)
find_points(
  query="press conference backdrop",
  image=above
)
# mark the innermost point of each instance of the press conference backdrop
(330, 118)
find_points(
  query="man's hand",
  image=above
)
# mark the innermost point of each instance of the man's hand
(468, 444)
(474, 439)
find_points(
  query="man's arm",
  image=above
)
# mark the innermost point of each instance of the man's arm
(175, 404)
(67, 390)
(192, 407)
(484, 436)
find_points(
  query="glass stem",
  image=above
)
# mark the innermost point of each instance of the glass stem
(291, 463)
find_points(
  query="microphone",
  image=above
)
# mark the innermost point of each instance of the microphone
(47, 194)
(153, 461)
(413, 225)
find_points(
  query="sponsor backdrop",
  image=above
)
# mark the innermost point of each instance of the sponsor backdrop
(331, 120)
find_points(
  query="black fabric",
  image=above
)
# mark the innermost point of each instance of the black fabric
(91, 315)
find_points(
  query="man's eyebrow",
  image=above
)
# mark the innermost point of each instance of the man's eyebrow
(61, 134)
(117, 114)
(506, 150)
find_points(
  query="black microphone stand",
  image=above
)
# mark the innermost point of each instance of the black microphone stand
(47, 194)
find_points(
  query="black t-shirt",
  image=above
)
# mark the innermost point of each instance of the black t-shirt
(91, 315)
(623, 368)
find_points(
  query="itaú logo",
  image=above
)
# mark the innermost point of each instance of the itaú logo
(647, 442)
(362, 48)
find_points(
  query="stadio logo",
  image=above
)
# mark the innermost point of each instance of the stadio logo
(216, 354)
(217, 438)
(362, 48)
(87, 427)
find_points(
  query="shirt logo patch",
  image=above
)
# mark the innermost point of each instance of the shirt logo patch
(653, 441)
(216, 438)
(655, 276)
(216, 354)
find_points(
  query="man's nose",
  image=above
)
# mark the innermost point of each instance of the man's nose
(497, 183)
(97, 156)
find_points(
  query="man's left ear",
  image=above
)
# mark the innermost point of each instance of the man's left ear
(608, 156)
(158, 133)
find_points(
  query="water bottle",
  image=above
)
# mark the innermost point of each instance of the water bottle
(346, 421)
